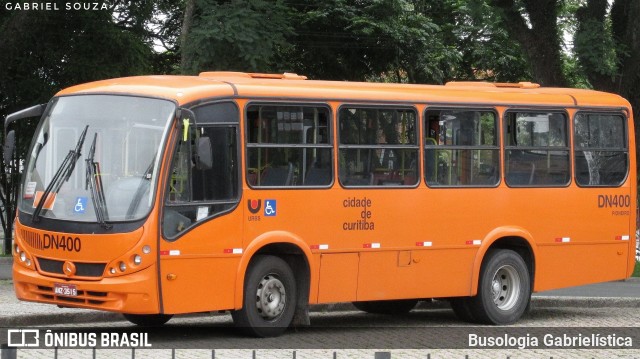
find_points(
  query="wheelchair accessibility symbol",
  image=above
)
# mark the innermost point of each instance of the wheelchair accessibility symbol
(270, 208)
(81, 205)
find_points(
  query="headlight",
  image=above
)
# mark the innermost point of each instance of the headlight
(123, 267)
(137, 259)
(146, 249)
(23, 256)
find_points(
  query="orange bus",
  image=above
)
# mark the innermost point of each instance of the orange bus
(262, 194)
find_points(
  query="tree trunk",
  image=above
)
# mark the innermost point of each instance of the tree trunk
(185, 60)
(625, 27)
(537, 32)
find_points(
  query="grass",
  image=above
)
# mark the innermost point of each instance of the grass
(636, 272)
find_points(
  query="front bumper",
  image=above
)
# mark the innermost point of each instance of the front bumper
(136, 293)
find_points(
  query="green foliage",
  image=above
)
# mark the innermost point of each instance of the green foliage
(42, 52)
(388, 40)
(413, 41)
(574, 73)
(241, 35)
(596, 47)
(636, 271)
(488, 53)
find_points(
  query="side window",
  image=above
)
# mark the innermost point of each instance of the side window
(204, 172)
(461, 148)
(378, 147)
(288, 146)
(536, 149)
(601, 151)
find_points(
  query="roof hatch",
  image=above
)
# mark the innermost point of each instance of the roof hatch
(521, 85)
(253, 75)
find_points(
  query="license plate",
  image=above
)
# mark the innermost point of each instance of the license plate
(67, 290)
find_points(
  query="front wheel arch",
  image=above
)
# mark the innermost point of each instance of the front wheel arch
(270, 298)
(287, 246)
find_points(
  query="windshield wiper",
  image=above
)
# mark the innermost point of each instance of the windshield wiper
(62, 174)
(94, 182)
(140, 191)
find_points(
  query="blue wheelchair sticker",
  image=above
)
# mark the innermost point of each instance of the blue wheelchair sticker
(81, 205)
(270, 208)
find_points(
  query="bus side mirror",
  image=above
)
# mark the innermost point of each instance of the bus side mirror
(10, 139)
(204, 154)
(9, 147)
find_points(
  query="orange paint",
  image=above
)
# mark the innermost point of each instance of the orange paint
(401, 238)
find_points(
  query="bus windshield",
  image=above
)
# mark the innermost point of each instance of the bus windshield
(94, 159)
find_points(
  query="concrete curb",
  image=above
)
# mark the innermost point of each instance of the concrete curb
(584, 302)
(91, 316)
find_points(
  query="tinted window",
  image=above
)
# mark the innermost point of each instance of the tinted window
(536, 150)
(288, 146)
(461, 148)
(378, 147)
(600, 149)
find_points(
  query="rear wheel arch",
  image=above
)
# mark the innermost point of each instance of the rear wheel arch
(513, 238)
(504, 291)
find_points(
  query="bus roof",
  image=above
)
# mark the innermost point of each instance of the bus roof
(188, 89)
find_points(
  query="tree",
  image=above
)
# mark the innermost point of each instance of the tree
(44, 51)
(345, 40)
(487, 51)
(240, 35)
(606, 43)
(608, 48)
(534, 25)
(415, 41)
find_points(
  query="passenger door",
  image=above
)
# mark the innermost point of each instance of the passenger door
(201, 229)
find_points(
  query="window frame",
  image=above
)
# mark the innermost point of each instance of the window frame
(329, 145)
(626, 150)
(378, 106)
(567, 147)
(497, 146)
(174, 145)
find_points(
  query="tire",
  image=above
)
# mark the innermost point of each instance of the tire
(462, 309)
(389, 307)
(269, 298)
(504, 289)
(148, 320)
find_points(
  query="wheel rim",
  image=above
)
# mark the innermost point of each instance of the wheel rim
(505, 287)
(271, 297)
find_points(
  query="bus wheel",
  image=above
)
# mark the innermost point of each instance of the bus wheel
(504, 290)
(269, 298)
(401, 306)
(148, 320)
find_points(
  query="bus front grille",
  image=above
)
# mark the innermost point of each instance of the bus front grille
(33, 239)
(82, 269)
